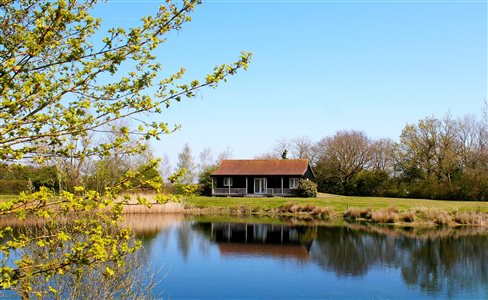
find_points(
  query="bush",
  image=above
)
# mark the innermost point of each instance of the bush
(470, 218)
(408, 216)
(388, 215)
(205, 181)
(356, 213)
(13, 187)
(306, 188)
(367, 183)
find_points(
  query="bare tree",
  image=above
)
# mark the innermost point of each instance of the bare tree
(268, 155)
(343, 155)
(186, 161)
(383, 156)
(226, 154)
(205, 159)
(301, 147)
(165, 168)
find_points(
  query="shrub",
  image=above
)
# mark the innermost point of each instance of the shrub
(325, 212)
(388, 215)
(355, 213)
(439, 217)
(306, 188)
(367, 183)
(13, 187)
(470, 218)
(205, 181)
(408, 216)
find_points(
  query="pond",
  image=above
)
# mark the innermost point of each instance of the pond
(201, 258)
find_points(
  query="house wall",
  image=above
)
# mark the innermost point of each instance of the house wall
(240, 182)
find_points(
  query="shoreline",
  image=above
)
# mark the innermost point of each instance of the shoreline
(391, 216)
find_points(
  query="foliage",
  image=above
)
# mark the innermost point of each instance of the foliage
(13, 187)
(306, 188)
(367, 183)
(126, 278)
(342, 156)
(205, 181)
(435, 159)
(52, 70)
(180, 188)
(61, 85)
(45, 176)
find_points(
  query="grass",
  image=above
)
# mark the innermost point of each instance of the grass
(4, 198)
(337, 203)
(329, 207)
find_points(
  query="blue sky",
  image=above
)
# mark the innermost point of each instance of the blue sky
(319, 67)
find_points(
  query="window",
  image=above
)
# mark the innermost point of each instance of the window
(228, 181)
(294, 183)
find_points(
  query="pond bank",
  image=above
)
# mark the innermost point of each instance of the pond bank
(411, 217)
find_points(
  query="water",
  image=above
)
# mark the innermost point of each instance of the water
(269, 259)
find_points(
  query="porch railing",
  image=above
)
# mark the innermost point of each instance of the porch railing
(278, 191)
(229, 191)
(243, 191)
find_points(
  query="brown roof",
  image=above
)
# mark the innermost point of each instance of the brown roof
(262, 167)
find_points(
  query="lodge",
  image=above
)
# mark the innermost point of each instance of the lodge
(260, 177)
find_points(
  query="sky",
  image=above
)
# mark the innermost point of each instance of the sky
(318, 67)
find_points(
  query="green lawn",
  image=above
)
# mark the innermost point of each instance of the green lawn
(7, 197)
(338, 203)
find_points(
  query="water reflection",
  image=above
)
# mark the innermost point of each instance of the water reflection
(318, 260)
(448, 260)
(268, 240)
(435, 261)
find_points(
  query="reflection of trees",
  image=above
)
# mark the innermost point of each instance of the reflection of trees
(147, 227)
(452, 262)
(185, 237)
(350, 252)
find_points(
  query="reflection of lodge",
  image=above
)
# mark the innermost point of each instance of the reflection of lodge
(258, 240)
(253, 233)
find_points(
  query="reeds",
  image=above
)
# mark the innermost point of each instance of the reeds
(170, 207)
(315, 211)
(385, 215)
(355, 213)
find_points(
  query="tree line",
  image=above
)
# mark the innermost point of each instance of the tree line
(435, 158)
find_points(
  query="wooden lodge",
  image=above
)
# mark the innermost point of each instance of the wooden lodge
(255, 177)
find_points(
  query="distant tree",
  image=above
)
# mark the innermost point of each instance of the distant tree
(186, 161)
(279, 146)
(383, 156)
(268, 155)
(431, 146)
(205, 159)
(165, 167)
(226, 154)
(302, 147)
(340, 157)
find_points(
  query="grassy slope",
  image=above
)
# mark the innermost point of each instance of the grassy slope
(338, 203)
